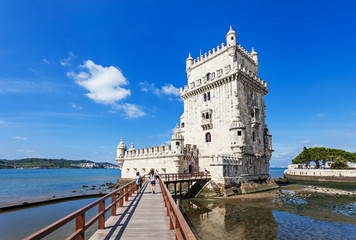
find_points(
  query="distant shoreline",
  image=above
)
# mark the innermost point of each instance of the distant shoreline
(41, 201)
(59, 168)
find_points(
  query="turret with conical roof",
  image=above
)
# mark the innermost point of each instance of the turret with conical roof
(132, 147)
(254, 56)
(177, 141)
(237, 134)
(121, 149)
(231, 41)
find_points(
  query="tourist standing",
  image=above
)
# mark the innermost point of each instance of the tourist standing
(138, 182)
(157, 175)
(152, 180)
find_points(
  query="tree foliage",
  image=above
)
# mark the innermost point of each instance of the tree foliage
(339, 163)
(323, 155)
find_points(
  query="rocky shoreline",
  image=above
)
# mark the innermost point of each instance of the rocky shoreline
(86, 192)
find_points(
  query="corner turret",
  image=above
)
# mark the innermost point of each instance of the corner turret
(231, 41)
(177, 141)
(189, 64)
(237, 136)
(121, 149)
(132, 147)
(254, 56)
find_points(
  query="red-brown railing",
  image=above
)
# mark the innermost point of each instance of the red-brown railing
(125, 192)
(176, 218)
(192, 176)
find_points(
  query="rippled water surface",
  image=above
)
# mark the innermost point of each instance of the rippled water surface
(288, 213)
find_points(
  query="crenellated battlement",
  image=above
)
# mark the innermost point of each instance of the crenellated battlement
(220, 74)
(214, 53)
(207, 56)
(164, 150)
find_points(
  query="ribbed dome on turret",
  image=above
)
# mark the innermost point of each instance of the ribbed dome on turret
(237, 123)
(121, 145)
(132, 147)
(177, 134)
(189, 57)
(231, 32)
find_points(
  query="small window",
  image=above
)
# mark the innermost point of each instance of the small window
(232, 38)
(182, 124)
(207, 116)
(208, 96)
(208, 76)
(239, 133)
(177, 143)
(204, 97)
(253, 136)
(207, 137)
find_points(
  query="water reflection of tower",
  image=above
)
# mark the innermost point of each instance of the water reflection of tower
(220, 219)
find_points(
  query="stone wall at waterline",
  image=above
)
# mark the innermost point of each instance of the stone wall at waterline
(322, 175)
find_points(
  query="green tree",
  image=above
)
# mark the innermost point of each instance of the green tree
(339, 163)
(322, 155)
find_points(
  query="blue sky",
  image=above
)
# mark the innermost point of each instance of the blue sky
(75, 76)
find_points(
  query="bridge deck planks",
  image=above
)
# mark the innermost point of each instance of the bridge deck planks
(142, 217)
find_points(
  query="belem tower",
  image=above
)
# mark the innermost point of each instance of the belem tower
(223, 126)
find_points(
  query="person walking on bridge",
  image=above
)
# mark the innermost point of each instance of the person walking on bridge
(152, 180)
(138, 182)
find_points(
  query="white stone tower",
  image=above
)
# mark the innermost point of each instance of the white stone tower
(224, 113)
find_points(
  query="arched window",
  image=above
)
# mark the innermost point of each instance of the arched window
(208, 96)
(208, 76)
(207, 137)
(207, 116)
(204, 97)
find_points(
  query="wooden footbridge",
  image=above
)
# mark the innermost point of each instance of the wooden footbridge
(134, 215)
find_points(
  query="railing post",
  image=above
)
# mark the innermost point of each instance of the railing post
(121, 202)
(113, 209)
(127, 193)
(171, 226)
(101, 220)
(79, 224)
(130, 190)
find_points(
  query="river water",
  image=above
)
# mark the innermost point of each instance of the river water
(287, 213)
(26, 185)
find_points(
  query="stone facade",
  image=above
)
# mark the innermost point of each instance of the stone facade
(223, 125)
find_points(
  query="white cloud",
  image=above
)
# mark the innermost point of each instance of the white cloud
(2, 122)
(45, 60)
(67, 60)
(149, 87)
(20, 138)
(320, 115)
(167, 89)
(306, 141)
(76, 106)
(103, 83)
(131, 110)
